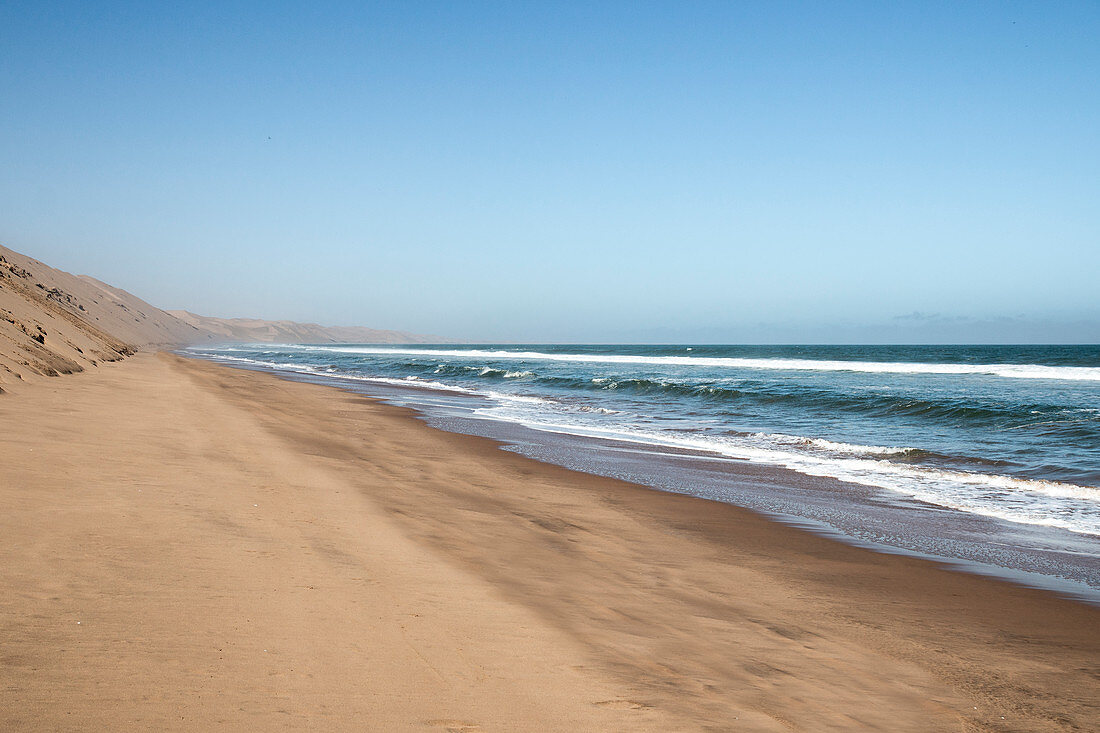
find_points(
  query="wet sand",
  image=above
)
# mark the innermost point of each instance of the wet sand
(188, 546)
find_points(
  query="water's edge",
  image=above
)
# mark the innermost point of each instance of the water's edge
(1045, 558)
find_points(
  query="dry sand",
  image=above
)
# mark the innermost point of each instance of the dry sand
(188, 546)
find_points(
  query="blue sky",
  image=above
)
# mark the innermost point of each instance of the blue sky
(730, 172)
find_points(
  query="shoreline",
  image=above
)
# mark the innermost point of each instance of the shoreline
(1035, 556)
(610, 605)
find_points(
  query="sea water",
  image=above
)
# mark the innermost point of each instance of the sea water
(1008, 433)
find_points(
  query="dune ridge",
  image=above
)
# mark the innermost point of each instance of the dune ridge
(53, 322)
(257, 330)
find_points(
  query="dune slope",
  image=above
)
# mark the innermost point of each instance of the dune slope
(53, 322)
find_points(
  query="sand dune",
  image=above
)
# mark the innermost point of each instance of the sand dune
(261, 331)
(52, 322)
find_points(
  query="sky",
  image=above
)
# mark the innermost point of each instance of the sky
(728, 172)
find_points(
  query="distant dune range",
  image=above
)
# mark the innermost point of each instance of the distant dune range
(259, 331)
(52, 322)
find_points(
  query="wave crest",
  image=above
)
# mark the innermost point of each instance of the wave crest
(1008, 371)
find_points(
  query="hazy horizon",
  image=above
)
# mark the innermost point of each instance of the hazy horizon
(628, 173)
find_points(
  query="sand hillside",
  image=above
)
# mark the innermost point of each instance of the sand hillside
(53, 322)
(271, 332)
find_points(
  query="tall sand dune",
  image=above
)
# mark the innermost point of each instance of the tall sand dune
(53, 322)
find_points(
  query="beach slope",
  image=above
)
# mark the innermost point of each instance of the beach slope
(189, 546)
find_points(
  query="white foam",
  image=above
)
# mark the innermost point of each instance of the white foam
(1025, 501)
(286, 365)
(1009, 371)
(832, 445)
(415, 382)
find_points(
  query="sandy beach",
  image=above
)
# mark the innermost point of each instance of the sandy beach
(550, 367)
(188, 546)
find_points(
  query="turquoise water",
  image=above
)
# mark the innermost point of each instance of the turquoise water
(1006, 432)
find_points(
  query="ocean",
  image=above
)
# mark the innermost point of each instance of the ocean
(1009, 435)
